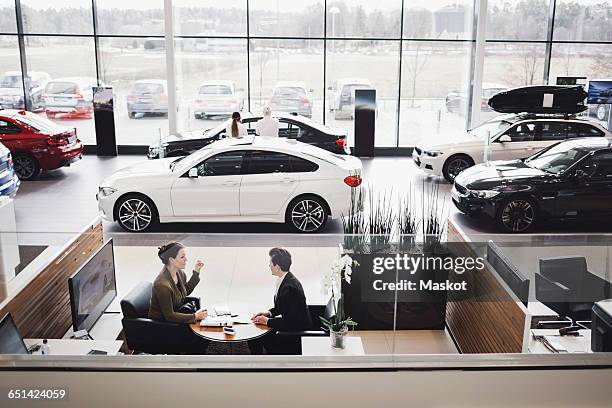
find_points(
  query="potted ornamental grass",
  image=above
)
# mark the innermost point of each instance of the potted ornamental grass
(339, 324)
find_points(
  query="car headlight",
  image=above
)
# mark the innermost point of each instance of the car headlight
(106, 191)
(485, 193)
(432, 153)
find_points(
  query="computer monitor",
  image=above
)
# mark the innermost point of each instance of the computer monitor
(10, 339)
(516, 281)
(601, 327)
(93, 288)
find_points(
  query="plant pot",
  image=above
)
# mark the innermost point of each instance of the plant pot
(338, 338)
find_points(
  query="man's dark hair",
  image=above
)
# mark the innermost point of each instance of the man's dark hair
(281, 257)
(169, 250)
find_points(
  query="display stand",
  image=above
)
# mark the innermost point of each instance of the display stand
(365, 122)
(104, 117)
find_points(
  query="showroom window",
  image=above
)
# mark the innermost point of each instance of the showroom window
(8, 24)
(68, 95)
(364, 19)
(517, 20)
(137, 74)
(65, 17)
(363, 64)
(211, 76)
(201, 18)
(434, 90)
(287, 75)
(278, 18)
(119, 17)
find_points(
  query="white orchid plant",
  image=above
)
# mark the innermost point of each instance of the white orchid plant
(331, 282)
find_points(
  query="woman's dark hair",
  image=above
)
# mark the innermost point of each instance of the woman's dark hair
(235, 120)
(280, 257)
(169, 250)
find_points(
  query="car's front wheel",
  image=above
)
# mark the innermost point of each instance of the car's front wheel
(455, 165)
(136, 213)
(26, 166)
(306, 214)
(517, 215)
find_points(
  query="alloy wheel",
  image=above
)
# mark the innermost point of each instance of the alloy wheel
(456, 166)
(307, 215)
(518, 215)
(25, 167)
(135, 215)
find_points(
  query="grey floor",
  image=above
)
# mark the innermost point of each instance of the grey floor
(64, 200)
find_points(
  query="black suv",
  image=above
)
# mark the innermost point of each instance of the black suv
(570, 179)
(290, 126)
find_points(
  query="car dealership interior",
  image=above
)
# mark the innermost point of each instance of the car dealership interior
(293, 195)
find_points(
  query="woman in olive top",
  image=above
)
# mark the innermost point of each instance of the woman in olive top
(171, 287)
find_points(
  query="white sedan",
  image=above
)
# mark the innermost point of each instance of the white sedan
(512, 137)
(252, 179)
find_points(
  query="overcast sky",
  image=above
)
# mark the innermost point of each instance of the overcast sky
(285, 5)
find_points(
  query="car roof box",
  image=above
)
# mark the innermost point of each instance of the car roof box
(540, 99)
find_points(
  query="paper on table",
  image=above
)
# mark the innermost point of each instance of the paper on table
(212, 321)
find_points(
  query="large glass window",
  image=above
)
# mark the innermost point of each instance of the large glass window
(11, 81)
(65, 17)
(593, 61)
(119, 17)
(510, 65)
(210, 17)
(434, 90)
(286, 18)
(212, 80)
(8, 23)
(287, 75)
(517, 20)
(138, 77)
(363, 64)
(584, 20)
(71, 65)
(439, 20)
(362, 19)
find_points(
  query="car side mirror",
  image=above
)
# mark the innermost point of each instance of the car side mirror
(193, 173)
(311, 90)
(505, 139)
(329, 88)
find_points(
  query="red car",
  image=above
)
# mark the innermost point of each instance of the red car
(36, 143)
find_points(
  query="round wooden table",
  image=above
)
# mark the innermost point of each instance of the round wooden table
(245, 330)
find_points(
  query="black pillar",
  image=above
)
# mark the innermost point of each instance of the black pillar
(365, 122)
(104, 118)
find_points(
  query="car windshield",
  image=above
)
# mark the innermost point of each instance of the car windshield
(490, 128)
(143, 88)
(39, 123)
(289, 91)
(9, 81)
(557, 159)
(351, 88)
(215, 90)
(61, 88)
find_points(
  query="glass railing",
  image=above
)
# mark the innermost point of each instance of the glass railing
(403, 300)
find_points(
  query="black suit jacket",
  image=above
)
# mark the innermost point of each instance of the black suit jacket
(290, 311)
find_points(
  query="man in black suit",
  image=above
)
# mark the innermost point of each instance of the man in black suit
(289, 313)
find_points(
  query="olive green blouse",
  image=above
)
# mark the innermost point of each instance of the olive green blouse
(167, 297)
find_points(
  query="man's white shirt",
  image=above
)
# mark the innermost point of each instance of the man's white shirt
(267, 126)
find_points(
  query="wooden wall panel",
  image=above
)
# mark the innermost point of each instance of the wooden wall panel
(42, 308)
(487, 319)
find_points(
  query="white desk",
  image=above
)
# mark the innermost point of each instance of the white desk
(573, 344)
(321, 346)
(108, 327)
(61, 347)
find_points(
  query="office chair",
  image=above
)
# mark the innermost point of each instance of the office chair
(292, 340)
(150, 336)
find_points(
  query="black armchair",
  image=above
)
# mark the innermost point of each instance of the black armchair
(292, 340)
(150, 336)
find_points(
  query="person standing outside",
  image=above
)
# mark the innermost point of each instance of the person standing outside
(235, 127)
(267, 126)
